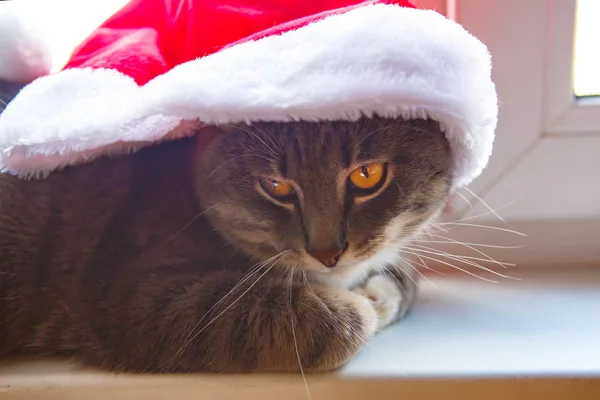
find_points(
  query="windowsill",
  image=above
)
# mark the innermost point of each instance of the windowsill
(546, 325)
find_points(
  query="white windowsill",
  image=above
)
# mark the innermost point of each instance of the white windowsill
(548, 323)
(545, 325)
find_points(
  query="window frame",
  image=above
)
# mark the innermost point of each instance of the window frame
(564, 113)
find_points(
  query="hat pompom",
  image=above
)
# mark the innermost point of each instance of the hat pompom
(24, 55)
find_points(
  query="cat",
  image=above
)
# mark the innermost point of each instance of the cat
(268, 247)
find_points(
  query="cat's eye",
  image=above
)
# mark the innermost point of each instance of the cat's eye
(367, 178)
(279, 190)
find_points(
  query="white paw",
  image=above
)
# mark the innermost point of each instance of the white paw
(386, 297)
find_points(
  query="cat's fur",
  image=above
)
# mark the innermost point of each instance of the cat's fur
(144, 262)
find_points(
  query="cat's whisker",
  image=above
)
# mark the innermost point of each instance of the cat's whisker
(460, 259)
(436, 226)
(274, 148)
(399, 269)
(257, 268)
(291, 283)
(191, 222)
(370, 134)
(410, 264)
(410, 230)
(486, 213)
(218, 167)
(236, 300)
(493, 246)
(195, 335)
(271, 146)
(251, 272)
(500, 263)
(483, 226)
(240, 181)
(462, 196)
(467, 246)
(486, 205)
(453, 266)
(424, 265)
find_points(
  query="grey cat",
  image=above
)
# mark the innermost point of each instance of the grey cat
(260, 247)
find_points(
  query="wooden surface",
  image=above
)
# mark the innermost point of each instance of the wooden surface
(290, 388)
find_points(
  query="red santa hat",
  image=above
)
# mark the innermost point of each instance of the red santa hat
(156, 64)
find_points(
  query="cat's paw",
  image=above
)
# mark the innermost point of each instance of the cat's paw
(392, 296)
(353, 316)
(350, 318)
(385, 296)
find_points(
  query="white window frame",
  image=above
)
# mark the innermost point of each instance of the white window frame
(564, 113)
(532, 45)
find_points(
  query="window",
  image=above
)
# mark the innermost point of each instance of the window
(571, 68)
(586, 57)
(543, 172)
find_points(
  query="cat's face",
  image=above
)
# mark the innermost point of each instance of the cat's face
(338, 198)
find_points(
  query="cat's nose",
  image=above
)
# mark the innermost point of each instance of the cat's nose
(328, 257)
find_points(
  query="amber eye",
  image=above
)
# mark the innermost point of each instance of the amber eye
(368, 178)
(279, 190)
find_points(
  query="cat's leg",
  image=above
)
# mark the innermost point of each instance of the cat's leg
(217, 324)
(393, 293)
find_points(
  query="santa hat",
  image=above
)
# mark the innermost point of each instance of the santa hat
(156, 64)
(23, 55)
